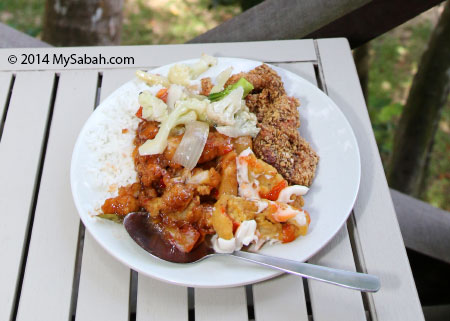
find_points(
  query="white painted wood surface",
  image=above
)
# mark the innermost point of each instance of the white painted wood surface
(25, 122)
(47, 285)
(157, 55)
(282, 298)
(104, 288)
(105, 283)
(221, 304)
(383, 252)
(160, 301)
(330, 302)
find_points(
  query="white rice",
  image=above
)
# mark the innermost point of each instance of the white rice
(111, 164)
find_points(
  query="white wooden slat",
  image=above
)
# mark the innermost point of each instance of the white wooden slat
(282, 298)
(159, 301)
(156, 55)
(48, 280)
(5, 81)
(20, 151)
(380, 241)
(104, 288)
(330, 302)
(337, 254)
(228, 304)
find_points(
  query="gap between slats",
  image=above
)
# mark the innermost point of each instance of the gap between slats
(6, 106)
(35, 194)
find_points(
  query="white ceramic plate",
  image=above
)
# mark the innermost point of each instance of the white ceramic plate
(329, 200)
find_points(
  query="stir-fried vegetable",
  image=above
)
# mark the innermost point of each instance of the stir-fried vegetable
(181, 74)
(152, 108)
(152, 79)
(222, 112)
(112, 217)
(205, 62)
(244, 83)
(191, 147)
(221, 79)
(185, 111)
(162, 94)
(175, 93)
(245, 125)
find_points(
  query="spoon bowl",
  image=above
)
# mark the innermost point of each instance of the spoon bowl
(146, 235)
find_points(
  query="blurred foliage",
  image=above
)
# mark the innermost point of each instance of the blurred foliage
(24, 15)
(394, 59)
(171, 21)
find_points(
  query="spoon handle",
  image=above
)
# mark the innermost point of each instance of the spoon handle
(347, 279)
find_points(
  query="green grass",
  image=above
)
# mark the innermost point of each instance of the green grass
(394, 60)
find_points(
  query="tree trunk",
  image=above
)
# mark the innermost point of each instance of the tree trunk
(362, 59)
(418, 123)
(82, 22)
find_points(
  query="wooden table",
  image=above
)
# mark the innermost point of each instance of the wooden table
(52, 269)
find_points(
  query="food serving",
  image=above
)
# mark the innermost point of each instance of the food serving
(222, 159)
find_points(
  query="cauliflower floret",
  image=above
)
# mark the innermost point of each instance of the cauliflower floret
(152, 79)
(222, 112)
(202, 65)
(245, 125)
(179, 74)
(153, 108)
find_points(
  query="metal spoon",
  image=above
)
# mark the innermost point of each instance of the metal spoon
(143, 233)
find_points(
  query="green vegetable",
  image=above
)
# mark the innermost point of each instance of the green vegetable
(244, 83)
(112, 217)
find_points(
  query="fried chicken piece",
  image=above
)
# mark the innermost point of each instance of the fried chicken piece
(126, 202)
(276, 110)
(289, 153)
(261, 77)
(207, 85)
(278, 143)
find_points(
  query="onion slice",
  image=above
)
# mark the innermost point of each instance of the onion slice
(191, 146)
